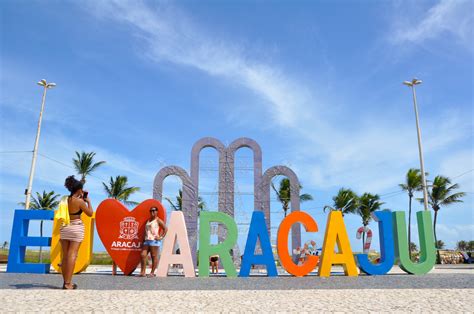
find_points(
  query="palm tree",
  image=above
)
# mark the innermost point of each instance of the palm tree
(46, 201)
(413, 247)
(442, 194)
(461, 245)
(367, 204)
(178, 205)
(84, 164)
(283, 194)
(345, 201)
(440, 244)
(118, 189)
(413, 182)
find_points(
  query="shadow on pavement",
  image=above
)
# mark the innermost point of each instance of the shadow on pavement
(34, 286)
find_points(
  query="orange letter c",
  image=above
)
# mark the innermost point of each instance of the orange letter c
(282, 243)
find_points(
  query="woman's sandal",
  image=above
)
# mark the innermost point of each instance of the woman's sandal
(74, 286)
(150, 275)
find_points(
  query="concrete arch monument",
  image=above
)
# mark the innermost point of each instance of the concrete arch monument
(264, 191)
(257, 167)
(195, 153)
(188, 199)
(262, 184)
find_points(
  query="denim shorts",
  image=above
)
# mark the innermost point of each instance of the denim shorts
(152, 242)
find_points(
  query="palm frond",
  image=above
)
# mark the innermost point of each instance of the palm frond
(117, 188)
(84, 163)
(201, 204)
(107, 189)
(46, 200)
(403, 186)
(172, 204)
(274, 188)
(345, 200)
(96, 165)
(368, 203)
(442, 193)
(453, 198)
(306, 197)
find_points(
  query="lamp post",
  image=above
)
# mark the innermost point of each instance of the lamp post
(412, 84)
(46, 86)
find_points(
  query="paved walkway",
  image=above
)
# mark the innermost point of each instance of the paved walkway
(107, 282)
(444, 289)
(309, 301)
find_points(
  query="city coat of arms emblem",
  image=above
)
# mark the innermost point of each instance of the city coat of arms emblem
(129, 228)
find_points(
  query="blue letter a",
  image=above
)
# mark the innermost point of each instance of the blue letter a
(258, 230)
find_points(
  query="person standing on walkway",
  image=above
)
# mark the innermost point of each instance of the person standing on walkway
(214, 263)
(153, 238)
(72, 234)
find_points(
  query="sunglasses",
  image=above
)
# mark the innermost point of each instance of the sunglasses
(153, 210)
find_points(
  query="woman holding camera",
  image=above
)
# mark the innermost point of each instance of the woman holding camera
(71, 235)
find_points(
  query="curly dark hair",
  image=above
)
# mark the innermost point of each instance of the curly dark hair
(73, 185)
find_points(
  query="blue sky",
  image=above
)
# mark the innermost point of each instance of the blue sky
(316, 83)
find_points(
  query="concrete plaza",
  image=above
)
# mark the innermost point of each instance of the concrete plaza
(446, 288)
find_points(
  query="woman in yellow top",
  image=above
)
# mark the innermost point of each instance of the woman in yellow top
(72, 234)
(153, 237)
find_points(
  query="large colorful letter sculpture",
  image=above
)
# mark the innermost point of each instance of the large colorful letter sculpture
(427, 247)
(387, 251)
(282, 243)
(336, 233)
(122, 231)
(221, 249)
(20, 240)
(258, 230)
(177, 236)
(84, 255)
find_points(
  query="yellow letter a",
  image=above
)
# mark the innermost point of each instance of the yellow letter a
(336, 233)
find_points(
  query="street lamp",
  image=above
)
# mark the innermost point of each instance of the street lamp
(46, 86)
(412, 84)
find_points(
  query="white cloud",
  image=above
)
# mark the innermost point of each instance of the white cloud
(362, 155)
(171, 37)
(452, 17)
(374, 157)
(452, 233)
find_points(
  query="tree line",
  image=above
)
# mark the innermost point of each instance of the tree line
(441, 193)
(84, 165)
